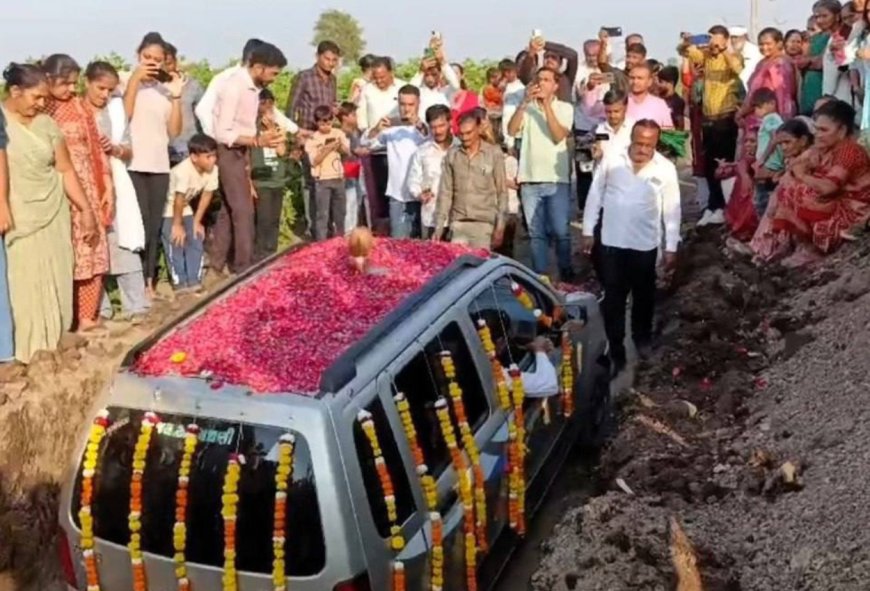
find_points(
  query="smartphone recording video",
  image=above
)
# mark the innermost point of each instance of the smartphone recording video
(612, 31)
(702, 39)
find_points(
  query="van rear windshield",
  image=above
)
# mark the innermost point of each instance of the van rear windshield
(304, 546)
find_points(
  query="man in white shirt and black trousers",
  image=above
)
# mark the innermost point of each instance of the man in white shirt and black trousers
(637, 192)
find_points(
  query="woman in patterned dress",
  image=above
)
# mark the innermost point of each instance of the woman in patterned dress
(77, 124)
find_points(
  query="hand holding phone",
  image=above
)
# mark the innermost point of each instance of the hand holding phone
(612, 31)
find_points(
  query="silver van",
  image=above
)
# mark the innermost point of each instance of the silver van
(337, 533)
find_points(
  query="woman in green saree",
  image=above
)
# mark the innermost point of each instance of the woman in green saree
(39, 246)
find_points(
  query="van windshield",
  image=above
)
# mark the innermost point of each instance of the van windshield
(304, 546)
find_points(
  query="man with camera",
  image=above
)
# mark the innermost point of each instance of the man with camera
(543, 123)
(635, 192)
(555, 56)
(436, 79)
(400, 137)
(721, 100)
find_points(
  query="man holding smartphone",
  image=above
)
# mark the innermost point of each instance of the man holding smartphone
(721, 100)
(543, 122)
(555, 56)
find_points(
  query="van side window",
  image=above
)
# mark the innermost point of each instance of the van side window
(422, 382)
(512, 326)
(395, 466)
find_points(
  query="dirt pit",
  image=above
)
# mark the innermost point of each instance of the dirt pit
(734, 431)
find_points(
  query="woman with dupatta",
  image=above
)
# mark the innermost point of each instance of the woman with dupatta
(79, 128)
(38, 248)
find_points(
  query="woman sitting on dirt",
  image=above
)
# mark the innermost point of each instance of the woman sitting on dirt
(740, 212)
(826, 192)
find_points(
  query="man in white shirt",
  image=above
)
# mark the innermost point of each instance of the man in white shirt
(751, 54)
(204, 110)
(617, 126)
(639, 193)
(545, 170)
(401, 138)
(379, 99)
(424, 176)
(514, 91)
(437, 80)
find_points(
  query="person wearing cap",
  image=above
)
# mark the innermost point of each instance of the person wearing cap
(751, 54)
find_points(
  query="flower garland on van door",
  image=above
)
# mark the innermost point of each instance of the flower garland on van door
(518, 437)
(567, 376)
(469, 445)
(179, 530)
(430, 493)
(229, 512)
(140, 455)
(515, 483)
(91, 461)
(466, 496)
(283, 477)
(397, 541)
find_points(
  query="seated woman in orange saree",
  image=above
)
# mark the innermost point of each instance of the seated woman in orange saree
(826, 193)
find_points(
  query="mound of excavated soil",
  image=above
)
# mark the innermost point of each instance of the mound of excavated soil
(748, 426)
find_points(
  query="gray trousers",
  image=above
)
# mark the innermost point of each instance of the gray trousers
(133, 300)
(330, 208)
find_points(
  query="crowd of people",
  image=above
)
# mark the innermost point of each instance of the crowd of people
(98, 178)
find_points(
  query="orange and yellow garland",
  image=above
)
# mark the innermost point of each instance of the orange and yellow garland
(567, 377)
(516, 481)
(430, 492)
(397, 541)
(283, 477)
(470, 447)
(517, 436)
(140, 455)
(86, 519)
(229, 512)
(179, 530)
(466, 494)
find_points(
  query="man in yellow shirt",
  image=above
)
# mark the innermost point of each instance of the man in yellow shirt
(721, 101)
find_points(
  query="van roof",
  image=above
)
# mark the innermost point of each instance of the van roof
(281, 327)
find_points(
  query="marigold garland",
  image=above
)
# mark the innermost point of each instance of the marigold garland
(567, 377)
(283, 477)
(179, 530)
(470, 446)
(430, 493)
(140, 455)
(466, 494)
(86, 519)
(518, 396)
(229, 512)
(523, 296)
(515, 482)
(397, 541)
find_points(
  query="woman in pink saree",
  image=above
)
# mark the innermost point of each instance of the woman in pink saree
(775, 71)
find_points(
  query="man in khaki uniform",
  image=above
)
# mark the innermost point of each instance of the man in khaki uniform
(473, 197)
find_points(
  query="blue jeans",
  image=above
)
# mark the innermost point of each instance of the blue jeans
(185, 262)
(404, 219)
(7, 344)
(761, 199)
(546, 207)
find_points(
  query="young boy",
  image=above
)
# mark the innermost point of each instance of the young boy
(270, 172)
(668, 78)
(353, 185)
(512, 169)
(325, 149)
(183, 232)
(770, 159)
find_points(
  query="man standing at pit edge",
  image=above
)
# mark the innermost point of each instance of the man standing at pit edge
(636, 191)
(543, 122)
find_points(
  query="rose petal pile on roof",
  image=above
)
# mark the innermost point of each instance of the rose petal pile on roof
(284, 326)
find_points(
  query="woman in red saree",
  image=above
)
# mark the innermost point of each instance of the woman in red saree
(830, 194)
(775, 71)
(463, 100)
(79, 129)
(692, 82)
(740, 211)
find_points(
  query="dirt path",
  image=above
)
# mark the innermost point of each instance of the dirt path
(748, 430)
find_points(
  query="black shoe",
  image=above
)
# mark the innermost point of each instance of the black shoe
(644, 350)
(617, 366)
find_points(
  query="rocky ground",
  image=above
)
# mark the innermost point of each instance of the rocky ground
(747, 431)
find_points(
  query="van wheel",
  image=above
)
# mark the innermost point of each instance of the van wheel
(600, 421)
